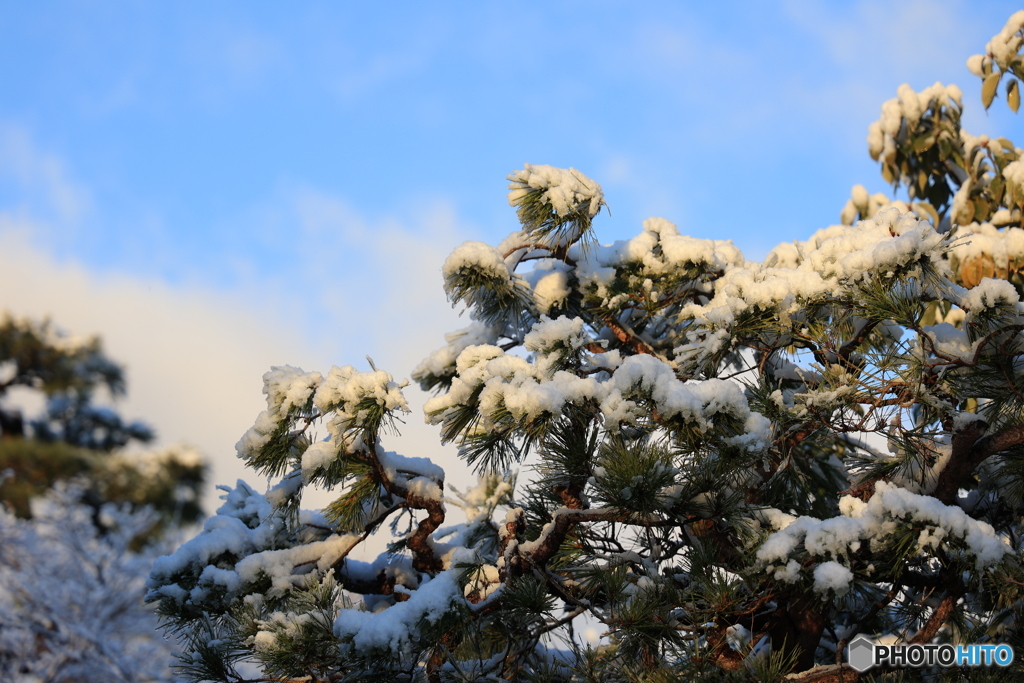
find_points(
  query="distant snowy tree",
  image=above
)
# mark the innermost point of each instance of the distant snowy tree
(78, 519)
(734, 467)
(70, 596)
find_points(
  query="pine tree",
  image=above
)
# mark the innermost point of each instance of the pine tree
(77, 440)
(67, 370)
(732, 468)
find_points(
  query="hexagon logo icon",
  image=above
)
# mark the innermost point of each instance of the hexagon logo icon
(861, 653)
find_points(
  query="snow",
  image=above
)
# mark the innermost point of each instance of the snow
(1001, 218)
(681, 251)
(509, 382)
(341, 396)
(221, 534)
(980, 538)
(990, 293)
(549, 281)
(832, 262)
(288, 388)
(481, 497)
(959, 207)
(907, 109)
(476, 256)
(257, 436)
(695, 402)
(563, 189)
(236, 547)
(345, 388)
(396, 464)
(243, 503)
(424, 488)
(985, 241)
(659, 235)
(891, 506)
(950, 341)
(832, 576)
(548, 335)
(962, 420)
(283, 567)
(71, 596)
(396, 628)
(483, 582)
(1003, 48)
(1013, 172)
(317, 456)
(777, 519)
(789, 573)
(859, 195)
(876, 140)
(975, 65)
(441, 362)
(737, 637)
(286, 489)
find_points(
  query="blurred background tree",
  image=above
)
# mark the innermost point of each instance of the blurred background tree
(81, 518)
(77, 439)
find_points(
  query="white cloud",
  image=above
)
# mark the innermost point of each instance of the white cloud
(378, 280)
(194, 359)
(919, 37)
(42, 177)
(195, 356)
(376, 285)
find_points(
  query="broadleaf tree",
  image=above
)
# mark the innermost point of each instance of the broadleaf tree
(735, 467)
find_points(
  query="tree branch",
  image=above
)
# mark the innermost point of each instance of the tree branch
(850, 346)
(833, 673)
(938, 618)
(632, 341)
(540, 551)
(424, 558)
(970, 449)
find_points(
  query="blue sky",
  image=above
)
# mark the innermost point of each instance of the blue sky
(216, 187)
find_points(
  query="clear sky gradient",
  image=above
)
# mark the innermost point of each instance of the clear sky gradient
(218, 187)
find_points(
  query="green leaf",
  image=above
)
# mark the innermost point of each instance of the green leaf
(928, 209)
(930, 314)
(1013, 94)
(996, 188)
(922, 142)
(945, 148)
(988, 88)
(966, 213)
(982, 210)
